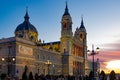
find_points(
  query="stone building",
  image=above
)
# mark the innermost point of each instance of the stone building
(67, 56)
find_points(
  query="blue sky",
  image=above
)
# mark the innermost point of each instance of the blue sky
(101, 19)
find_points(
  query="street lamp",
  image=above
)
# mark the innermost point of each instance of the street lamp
(48, 63)
(8, 60)
(92, 53)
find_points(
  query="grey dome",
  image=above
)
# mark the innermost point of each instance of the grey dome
(26, 25)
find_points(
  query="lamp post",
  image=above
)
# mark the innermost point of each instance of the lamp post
(93, 53)
(48, 63)
(9, 59)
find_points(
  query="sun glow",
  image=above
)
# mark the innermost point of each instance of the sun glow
(114, 65)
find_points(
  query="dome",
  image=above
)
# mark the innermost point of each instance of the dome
(26, 25)
(26, 30)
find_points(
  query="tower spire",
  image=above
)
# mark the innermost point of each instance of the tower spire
(82, 27)
(66, 10)
(82, 20)
(66, 6)
(82, 23)
(26, 15)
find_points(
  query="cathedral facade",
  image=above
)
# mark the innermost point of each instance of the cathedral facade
(25, 52)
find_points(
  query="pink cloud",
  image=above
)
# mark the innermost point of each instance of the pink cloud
(108, 52)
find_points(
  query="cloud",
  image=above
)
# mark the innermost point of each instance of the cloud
(111, 51)
(105, 56)
(113, 46)
(108, 52)
(109, 55)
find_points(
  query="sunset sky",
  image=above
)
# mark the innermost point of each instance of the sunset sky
(101, 20)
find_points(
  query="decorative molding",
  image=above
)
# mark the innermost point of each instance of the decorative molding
(25, 50)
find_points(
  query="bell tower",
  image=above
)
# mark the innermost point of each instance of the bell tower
(66, 42)
(66, 31)
(83, 38)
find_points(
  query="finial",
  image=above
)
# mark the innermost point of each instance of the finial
(93, 49)
(82, 19)
(66, 2)
(66, 10)
(26, 8)
(82, 16)
(26, 15)
(92, 46)
(82, 27)
(66, 5)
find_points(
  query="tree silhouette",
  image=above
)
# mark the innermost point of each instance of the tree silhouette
(112, 75)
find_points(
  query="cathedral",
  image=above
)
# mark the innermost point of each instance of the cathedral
(24, 52)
